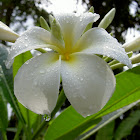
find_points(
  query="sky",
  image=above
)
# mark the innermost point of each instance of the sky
(57, 6)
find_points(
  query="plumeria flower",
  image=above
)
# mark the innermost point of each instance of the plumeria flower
(87, 79)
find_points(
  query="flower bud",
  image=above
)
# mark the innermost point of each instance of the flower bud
(44, 24)
(105, 22)
(7, 34)
(133, 45)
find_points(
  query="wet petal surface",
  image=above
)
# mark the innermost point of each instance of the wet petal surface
(73, 25)
(98, 41)
(36, 84)
(88, 82)
(31, 39)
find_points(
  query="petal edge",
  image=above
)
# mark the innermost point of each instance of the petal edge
(88, 83)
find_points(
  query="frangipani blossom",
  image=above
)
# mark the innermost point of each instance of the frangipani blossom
(88, 81)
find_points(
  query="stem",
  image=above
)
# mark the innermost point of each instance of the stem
(118, 65)
(112, 62)
(107, 58)
(19, 129)
(44, 124)
(60, 102)
(28, 125)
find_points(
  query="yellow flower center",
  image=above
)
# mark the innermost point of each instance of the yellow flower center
(65, 56)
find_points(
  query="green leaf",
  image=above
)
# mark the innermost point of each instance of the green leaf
(3, 135)
(60, 101)
(6, 82)
(19, 128)
(57, 134)
(106, 132)
(70, 121)
(29, 116)
(3, 112)
(7, 72)
(107, 119)
(127, 125)
(20, 60)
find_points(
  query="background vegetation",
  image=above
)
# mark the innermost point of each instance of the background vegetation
(16, 13)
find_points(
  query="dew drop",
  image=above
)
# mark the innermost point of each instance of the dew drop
(42, 71)
(27, 62)
(47, 117)
(80, 19)
(81, 79)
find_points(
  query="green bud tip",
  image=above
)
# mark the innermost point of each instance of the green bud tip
(91, 9)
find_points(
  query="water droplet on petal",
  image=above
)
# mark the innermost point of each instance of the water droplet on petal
(42, 71)
(81, 79)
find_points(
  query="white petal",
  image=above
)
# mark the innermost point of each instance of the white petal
(7, 34)
(98, 41)
(73, 25)
(88, 82)
(31, 39)
(36, 84)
